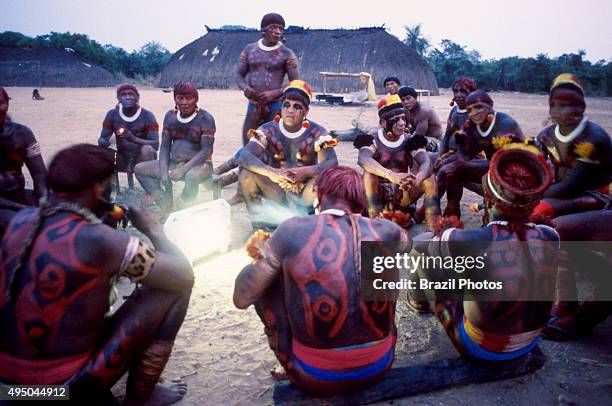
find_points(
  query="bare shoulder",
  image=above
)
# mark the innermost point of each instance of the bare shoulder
(102, 246)
(548, 233)
(387, 230)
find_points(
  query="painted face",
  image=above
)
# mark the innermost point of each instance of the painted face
(459, 94)
(565, 108)
(128, 98)
(397, 124)
(478, 112)
(3, 107)
(186, 104)
(392, 87)
(293, 113)
(408, 102)
(273, 33)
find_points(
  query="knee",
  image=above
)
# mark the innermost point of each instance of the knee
(140, 169)
(147, 153)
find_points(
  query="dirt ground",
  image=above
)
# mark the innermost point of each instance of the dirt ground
(222, 352)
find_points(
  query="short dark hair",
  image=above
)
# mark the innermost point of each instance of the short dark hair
(391, 79)
(80, 166)
(407, 91)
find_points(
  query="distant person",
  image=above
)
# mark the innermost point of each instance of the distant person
(18, 146)
(136, 132)
(485, 132)
(186, 151)
(58, 264)
(462, 86)
(422, 120)
(305, 285)
(391, 84)
(36, 95)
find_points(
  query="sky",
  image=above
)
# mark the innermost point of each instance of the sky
(495, 29)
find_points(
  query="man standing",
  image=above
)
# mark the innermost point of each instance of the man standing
(186, 150)
(263, 66)
(305, 284)
(135, 129)
(58, 264)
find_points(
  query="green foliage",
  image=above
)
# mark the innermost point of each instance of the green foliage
(149, 60)
(532, 75)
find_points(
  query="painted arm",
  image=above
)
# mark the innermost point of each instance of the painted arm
(369, 164)
(255, 278)
(249, 160)
(243, 71)
(37, 169)
(172, 270)
(326, 159)
(425, 167)
(577, 180)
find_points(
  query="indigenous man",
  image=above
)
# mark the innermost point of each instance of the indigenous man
(519, 254)
(135, 129)
(18, 146)
(298, 150)
(391, 84)
(186, 150)
(580, 150)
(36, 95)
(421, 120)
(484, 132)
(387, 159)
(57, 267)
(263, 66)
(462, 86)
(305, 285)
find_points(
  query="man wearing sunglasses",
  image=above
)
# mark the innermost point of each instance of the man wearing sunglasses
(296, 152)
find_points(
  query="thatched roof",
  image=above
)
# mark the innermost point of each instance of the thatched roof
(49, 67)
(211, 61)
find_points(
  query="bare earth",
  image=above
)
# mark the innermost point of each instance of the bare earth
(222, 352)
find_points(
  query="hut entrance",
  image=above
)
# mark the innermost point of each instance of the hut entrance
(367, 94)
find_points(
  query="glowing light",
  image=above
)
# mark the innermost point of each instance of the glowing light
(201, 230)
(271, 212)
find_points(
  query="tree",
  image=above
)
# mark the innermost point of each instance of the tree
(415, 39)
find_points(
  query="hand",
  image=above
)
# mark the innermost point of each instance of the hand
(250, 93)
(400, 177)
(145, 221)
(267, 96)
(177, 174)
(296, 175)
(128, 135)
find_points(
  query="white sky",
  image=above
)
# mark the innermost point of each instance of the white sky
(494, 28)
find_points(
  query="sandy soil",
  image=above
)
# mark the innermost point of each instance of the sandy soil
(222, 351)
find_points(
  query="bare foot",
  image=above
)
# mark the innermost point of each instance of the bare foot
(278, 373)
(164, 394)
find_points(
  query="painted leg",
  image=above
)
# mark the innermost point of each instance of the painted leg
(193, 178)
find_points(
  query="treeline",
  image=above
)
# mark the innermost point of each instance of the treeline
(147, 61)
(531, 75)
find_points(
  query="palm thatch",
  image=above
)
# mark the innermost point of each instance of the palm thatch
(211, 61)
(49, 67)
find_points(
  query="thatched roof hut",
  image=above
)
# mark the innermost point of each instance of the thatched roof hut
(211, 61)
(49, 67)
